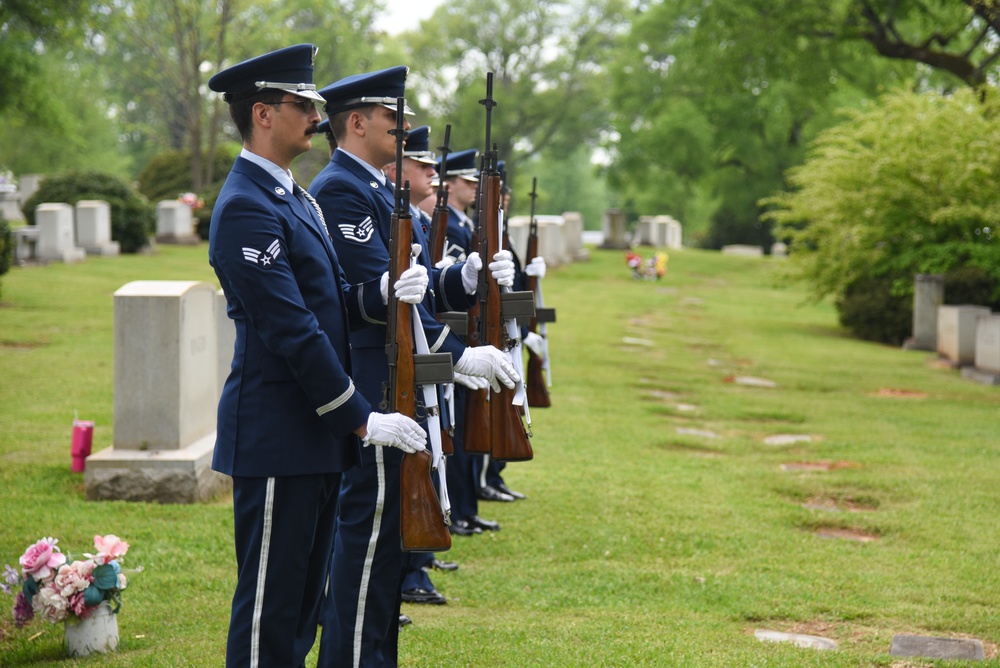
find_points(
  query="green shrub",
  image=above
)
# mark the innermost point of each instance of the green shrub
(971, 285)
(168, 175)
(906, 187)
(873, 313)
(6, 245)
(133, 219)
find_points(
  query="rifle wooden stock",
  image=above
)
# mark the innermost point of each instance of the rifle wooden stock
(508, 438)
(476, 437)
(538, 392)
(421, 521)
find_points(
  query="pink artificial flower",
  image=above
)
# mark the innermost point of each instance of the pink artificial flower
(74, 578)
(109, 548)
(77, 606)
(50, 604)
(41, 559)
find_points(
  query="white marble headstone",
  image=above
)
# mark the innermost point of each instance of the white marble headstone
(55, 233)
(956, 332)
(93, 227)
(166, 348)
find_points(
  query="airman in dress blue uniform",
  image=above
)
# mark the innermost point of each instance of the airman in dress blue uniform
(360, 620)
(290, 417)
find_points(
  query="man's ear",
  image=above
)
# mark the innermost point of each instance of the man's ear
(261, 114)
(357, 123)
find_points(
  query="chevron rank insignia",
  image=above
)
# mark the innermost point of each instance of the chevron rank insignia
(263, 258)
(359, 233)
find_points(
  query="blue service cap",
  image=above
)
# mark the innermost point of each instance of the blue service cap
(462, 164)
(418, 146)
(324, 126)
(502, 168)
(289, 69)
(359, 90)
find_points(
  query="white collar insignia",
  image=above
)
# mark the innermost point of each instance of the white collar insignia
(279, 190)
(359, 233)
(264, 258)
(373, 184)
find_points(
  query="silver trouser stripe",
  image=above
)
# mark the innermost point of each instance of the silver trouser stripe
(361, 307)
(366, 572)
(440, 340)
(258, 601)
(339, 401)
(444, 293)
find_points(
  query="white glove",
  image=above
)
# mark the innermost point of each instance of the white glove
(470, 273)
(502, 268)
(536, 267)
(395, 430)
(472, 382)
(446, 261)
(410, 288)
(489, 363)
(533, 342)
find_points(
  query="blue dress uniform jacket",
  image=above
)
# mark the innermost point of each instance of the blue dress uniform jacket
(459, 235)
(288, 409)
(289, 406)
(361, 614)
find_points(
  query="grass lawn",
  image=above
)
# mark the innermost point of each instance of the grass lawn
(661, 529)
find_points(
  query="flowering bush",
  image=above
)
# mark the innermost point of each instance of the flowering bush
(56, 590)
(191, 200)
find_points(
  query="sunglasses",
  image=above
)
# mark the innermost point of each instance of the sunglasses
(307, 106)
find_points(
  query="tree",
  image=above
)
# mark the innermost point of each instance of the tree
(904, 187)
(547, 57)
(715, 100)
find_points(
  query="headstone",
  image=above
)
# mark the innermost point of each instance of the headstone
(614, 230)
(988, 343)
(551, 240)
(675, 238)
(226, 340)
(165, 396)
(646, 232)
(55, 233)
(573, 231)
(175, 223)
(10, 207)
(779, 249)
(937, 648)
(797, 639)
(987, 360)
(956, 334)
(27, 185)
(25, 244)
(93, 228)
(742, 249)
(928, 295)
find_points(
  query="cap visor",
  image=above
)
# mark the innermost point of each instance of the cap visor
(309, 95)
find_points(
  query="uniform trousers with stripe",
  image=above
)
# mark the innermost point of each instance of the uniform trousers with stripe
(462, 482)
(361, 616)
(284, 531)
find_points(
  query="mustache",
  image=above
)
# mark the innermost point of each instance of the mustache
(313, 129)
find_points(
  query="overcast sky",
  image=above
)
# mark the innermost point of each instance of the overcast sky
(403, 15)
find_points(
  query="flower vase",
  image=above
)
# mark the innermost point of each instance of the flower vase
(98, 633)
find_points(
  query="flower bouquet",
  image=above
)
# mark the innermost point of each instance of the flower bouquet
(57, 590)
(191, 200)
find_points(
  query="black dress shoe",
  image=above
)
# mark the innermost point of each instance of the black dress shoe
(444, 565)
(507, 490)
(463, 528)
(404, 621)
(485, 525)
(489, 493)
(419, 595)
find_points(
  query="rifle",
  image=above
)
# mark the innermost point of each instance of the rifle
(538, 393)
(477, 402)
(439, 239)
(508, 437)
(421, 525)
